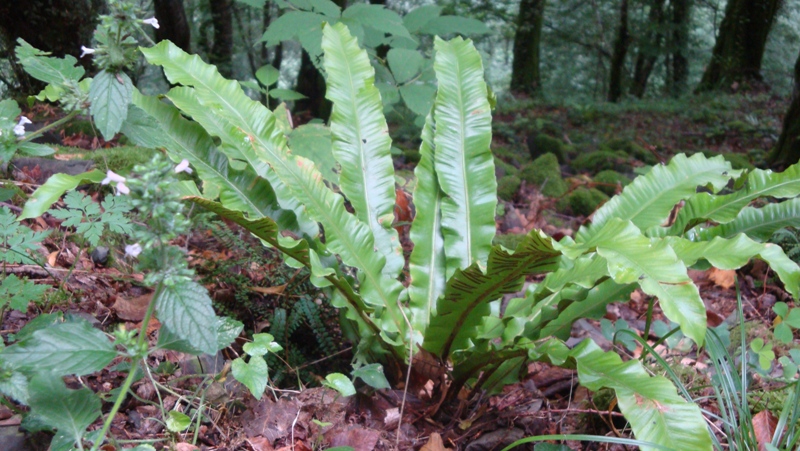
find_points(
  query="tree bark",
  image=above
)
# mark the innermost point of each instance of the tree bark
(621, 44)
(221, 53)
(787, 151)
(525, 75)
(681, 15)
(57, 26)
(740, 45)
(172, 22)
(649, 49)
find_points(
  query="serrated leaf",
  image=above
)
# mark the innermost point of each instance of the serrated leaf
(361, 142)
(68, 411)
(252, 374)
(185, 309)
(463, 162)
(57, 71)
(14, 385)
(227, 330)
(63, 349)
(340, 383)
(52, 190)
(19, 292)
(650, 403)
(373, 375)
(110, 95)
(177, 421)
(404, 63)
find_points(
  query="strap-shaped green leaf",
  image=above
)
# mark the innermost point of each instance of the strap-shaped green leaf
(736, 252)
(650, 403)
(757, 223)
(592, 306)
(426, 265)
(725, 208)
(360, 140)
(649, 199)
(250, 122)
(463, 161)
(468, 293)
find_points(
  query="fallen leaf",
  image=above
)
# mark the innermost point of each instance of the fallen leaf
(51, 259)
(357, 437)
(723, 278)
(132, 309)
(764, 424)
(260, 444)
(435, 443)
(278, 289)
(183, 446)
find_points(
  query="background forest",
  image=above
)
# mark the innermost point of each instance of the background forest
(500, 218)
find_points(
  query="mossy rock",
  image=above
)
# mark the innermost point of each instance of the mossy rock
(509, 241)
(601, 160)
(545, 173)
(610, 179)
(631, 149)
(542, 144)
(582, 201)
(508, 186)
(502, 169)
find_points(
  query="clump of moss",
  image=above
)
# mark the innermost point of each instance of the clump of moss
(509, 240)
(594, 162)
(545, 173)
(630, 148)
(512, 155)
(508, 186)
(118, 159)
(610, 180)
(737, 160)
(582, 201)
(542, 144)
(411, 156)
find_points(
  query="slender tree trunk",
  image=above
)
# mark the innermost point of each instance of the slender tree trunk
(621, 44)
(787, 151)
(525, 75)
(221, 53)
(740, 45)
(649, 49)
(681, 15)
(172, 23)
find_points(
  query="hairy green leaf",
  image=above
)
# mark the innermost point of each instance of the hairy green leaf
(463, 162)
(57, 71)
(68, 411)
(110, 95)
(185, 309)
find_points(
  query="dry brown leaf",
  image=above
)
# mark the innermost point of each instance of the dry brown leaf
(278, 289)
(435, 443)
(183, 446)
(51, 258)
(132, 309)
(764, 424)
(723, 278)
(260, 444)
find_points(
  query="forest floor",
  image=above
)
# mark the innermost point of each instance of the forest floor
(252, 284)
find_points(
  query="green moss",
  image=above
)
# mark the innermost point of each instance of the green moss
(610, 179)
(737, 160)
(508, 186)
(582, 201)
(512, 155)
(594, 162)
(502, 169)
(118, 159)
(545, 173)
(509, 241)
(411, 156)
(76, 126)
(631, 149)
(542, 144)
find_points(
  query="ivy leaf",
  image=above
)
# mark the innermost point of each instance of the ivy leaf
(262, 344)
(185, 309)
(373, 375)
(68, 411)
(110, 95)
(19, 292)
(340, 383)
(252, 374)
(178, 421)
(67, 348)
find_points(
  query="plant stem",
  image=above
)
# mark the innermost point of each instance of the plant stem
(55, 124)
(647, 323)
(132, 374)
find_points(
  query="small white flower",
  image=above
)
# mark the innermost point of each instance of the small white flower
(183, 166)
(86, 51)
(152, 21)
(122, 188)
(111, 176)
(133, 250)
(19, 129)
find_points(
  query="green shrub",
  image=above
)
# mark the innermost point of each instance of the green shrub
(583, 201)
(610, 180)
(545, 173)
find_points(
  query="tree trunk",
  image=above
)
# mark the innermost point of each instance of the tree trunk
(740, 45)
(221, 53)
(525, 75)
(681, 15)
(649, 49)
(57, 26)
(787, 151)
(621, 44)
(172, 23)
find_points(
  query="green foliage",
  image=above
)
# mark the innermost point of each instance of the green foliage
(543, 144)
(583, 201)
(601, 160)
(17, 293)
(545, 173)
(253, 373)
(610, 181)
(89, 220)
(630, 148)
(507, 186)
(17, 242)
